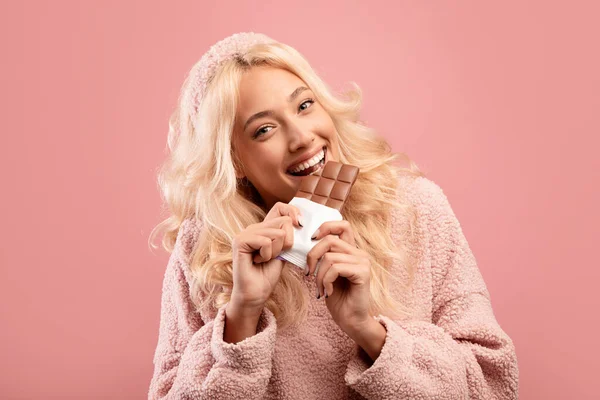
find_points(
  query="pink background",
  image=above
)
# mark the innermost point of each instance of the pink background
(497, 102)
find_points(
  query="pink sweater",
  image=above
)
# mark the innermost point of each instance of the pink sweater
(453, 347)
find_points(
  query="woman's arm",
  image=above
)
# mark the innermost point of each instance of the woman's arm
(238, 325)
(463, 353)
(192, 360)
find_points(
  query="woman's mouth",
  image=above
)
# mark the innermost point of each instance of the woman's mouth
(311, 166)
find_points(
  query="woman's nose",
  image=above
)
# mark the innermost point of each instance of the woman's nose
(299, 137)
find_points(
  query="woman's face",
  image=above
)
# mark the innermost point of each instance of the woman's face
(279, 124)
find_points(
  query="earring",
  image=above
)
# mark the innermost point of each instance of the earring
(244, 181)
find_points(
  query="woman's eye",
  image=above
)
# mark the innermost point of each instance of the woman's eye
(260, 131)
(311, 101)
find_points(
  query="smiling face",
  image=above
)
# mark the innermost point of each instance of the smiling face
(280, 132)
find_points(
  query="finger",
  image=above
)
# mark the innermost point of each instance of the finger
(276, 246)
(285, 223)
(252, 243)
(341, 228)
(326, 262)
(357, 274)
(330, 243)
(276, 222)
(281, 209)
(288, 241)
(277, 237)
(261, 240)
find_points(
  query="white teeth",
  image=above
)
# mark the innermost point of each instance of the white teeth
(307, 164)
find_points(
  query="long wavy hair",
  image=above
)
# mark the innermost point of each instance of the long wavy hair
(198, 180)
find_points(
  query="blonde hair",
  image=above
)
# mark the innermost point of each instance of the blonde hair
(198, 180)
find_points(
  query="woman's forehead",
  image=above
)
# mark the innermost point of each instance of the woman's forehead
(264, 84)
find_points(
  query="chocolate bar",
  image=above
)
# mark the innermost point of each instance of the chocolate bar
(330, 185)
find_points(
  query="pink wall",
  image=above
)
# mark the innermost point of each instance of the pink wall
(498, 103)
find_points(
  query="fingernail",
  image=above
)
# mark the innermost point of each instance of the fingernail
(325, 291)
(318, 295)
(300, 220)
(314, 236)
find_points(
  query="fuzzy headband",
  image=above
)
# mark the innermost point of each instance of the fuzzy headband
(226, 49)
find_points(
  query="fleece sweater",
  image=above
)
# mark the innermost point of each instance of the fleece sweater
(452, 346)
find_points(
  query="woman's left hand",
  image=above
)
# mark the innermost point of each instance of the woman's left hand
(343, 275)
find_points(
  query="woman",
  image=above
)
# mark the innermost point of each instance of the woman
(398, 307)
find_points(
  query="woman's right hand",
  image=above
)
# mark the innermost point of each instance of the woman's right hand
(256, 270)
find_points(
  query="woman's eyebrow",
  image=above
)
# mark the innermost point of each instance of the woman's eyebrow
(269, 113)
(296, 93)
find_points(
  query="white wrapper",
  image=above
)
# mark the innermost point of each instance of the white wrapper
(313, 215)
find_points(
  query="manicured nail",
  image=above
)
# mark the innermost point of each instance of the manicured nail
(318, 295)
(325, 291)
(314, 236)
(300, 220)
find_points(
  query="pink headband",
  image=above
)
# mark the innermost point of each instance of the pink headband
(225, 49)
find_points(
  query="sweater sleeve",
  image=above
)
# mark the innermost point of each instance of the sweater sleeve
(192, 361)
(463, 353)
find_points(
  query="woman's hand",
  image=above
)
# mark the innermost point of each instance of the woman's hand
(343, 276)
(256, 270)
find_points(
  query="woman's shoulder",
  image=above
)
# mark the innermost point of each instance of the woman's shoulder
(424, 194)
(437, 221)
(432, 210)
(420, 190)
(187, 236)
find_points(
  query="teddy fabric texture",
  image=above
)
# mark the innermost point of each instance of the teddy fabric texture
(204, 70)
(452, 346)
